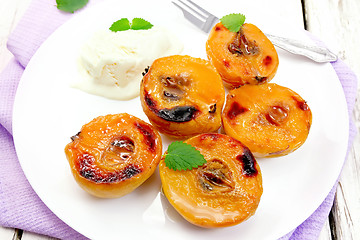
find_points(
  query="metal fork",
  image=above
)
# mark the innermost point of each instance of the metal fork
(205, 21)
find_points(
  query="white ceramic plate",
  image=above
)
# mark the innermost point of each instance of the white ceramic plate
(47, 112)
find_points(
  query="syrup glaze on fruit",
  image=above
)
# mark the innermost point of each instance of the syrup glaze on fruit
(270, 119)
(182, 96)
(225, 191)
(113, 154)
(243, 57)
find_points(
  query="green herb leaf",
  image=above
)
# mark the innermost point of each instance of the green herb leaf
(140, 24)
(136, 24)
(233, 22)
(70, 5)
(183, 156)
(120, 25)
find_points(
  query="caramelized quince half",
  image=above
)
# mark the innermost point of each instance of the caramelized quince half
(243, 57)
(182, 96)
(225, 191)
(114, 154)
(271, 120)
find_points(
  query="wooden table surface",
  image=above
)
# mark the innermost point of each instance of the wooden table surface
(336, 23)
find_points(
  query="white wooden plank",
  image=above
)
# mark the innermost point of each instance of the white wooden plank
(336, 22)
(6, 233)
(341, 18)
(34, 236)
(346, 210)
(325, 233)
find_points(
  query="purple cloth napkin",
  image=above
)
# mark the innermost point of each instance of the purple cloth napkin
(20, 207)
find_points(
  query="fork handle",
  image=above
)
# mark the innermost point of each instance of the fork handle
(316, 53)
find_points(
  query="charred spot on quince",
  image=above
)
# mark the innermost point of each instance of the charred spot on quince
(220, 28)
(150, 102)
(226, 63)
(212, 108)
(146, 70)
(89, 170)
(267, 60)
(149, 135)
(260, 79)
(215, 176)
(235, 110)
(76, 136)
(248, 163)
(178, 113)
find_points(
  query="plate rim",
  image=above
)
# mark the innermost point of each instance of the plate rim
(18, 145)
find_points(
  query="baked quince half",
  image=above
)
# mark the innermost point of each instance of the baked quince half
(243, 57)
(114, 154)
(271, 120)
(223, 192)
(182, 96)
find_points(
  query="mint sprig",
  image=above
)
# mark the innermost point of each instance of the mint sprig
(136, 24)
(233, 21)
(70, 5)
(120, 25)
(140, 24)
(183, 156)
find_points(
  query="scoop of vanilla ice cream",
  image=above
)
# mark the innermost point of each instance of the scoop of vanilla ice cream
(112, 62)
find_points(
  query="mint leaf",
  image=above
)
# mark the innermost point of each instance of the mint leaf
(136, 24)
(140, 24)
(70, 5)
(183, 156)
(120, 25)
(233, 22)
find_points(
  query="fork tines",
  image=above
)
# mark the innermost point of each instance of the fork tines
(197, 15)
